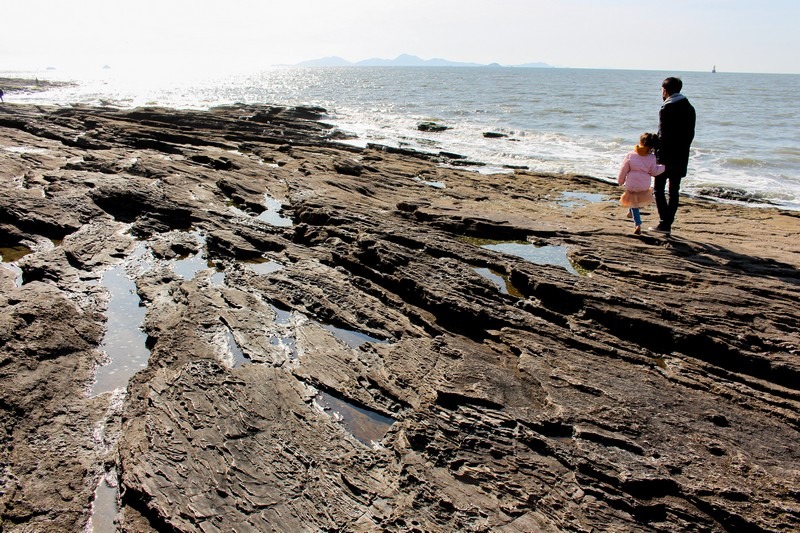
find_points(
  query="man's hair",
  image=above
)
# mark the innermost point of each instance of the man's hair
(672, 85)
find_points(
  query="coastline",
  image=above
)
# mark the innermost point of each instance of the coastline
(637, 393)
(552, 133)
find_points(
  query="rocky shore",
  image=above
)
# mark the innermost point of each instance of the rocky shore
(372, 339)
(10, 86)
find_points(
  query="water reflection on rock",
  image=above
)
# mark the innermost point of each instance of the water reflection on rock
(541, 255)
(105, 506)
(350, 337)
(502, 282)
(571, 199)
(434, 184)
(218, 278)
(367, 426)
(263, 266)
(188, 266)
(272, 213)
(9, 257)
(237, 355)
(283, 338)
(124, 343)
(13, 254)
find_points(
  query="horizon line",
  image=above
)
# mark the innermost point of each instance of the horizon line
(471, 64)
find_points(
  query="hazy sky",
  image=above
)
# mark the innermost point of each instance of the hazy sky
(677, 35)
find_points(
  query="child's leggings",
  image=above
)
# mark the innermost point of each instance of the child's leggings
(637, 218)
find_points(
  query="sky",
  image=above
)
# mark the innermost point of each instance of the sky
(677, 35)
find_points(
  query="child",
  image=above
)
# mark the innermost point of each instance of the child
(637, 169)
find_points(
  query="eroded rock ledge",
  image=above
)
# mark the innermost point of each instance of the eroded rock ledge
(654, 388)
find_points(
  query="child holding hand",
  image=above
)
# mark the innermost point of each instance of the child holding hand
(638, 167)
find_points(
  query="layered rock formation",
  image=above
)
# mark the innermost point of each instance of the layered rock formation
(363, 357)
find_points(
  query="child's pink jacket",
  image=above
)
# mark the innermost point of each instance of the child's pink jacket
(636, 171)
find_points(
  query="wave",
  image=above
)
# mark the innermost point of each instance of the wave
(787, 151)
(744, 162)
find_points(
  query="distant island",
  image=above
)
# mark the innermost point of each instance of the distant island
(405, 60)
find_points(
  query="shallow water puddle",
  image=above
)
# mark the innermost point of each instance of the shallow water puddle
(571, 199)
(9, 258)
(17, 271)
(282, 317)
(287, 344)
(125, 344)
(434, 184)
(352, 338)
(263, 266)
(369, 427)
(218, 278)
(541, 255)
(104, 507)
(188, 266)
(239, 358)
(272, 213)
(284, 337)
(502, 282)
(14, 253)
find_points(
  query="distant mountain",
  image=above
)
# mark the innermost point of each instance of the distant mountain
(332, 61)
(534, 65)
(404, 60)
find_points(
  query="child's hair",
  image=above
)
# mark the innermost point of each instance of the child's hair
(650, 140)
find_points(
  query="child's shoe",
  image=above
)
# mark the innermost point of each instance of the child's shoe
(629, 215)
(637, 230)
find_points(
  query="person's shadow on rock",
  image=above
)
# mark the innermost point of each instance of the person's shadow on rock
(720, 258)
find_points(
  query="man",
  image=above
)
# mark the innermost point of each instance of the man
(676, 121)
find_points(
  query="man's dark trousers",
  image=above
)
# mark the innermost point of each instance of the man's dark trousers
(667, 209)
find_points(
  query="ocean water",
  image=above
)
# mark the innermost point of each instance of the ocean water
(553, 120)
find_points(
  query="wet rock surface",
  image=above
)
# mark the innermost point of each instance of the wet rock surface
(654, 387)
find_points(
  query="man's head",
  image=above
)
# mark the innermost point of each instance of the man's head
(670, 86)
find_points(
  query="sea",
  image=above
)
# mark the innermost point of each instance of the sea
(550, 120)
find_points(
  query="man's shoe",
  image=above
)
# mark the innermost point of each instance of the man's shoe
(661, 228)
